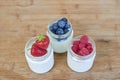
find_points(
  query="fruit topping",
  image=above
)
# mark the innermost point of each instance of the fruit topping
(61, 23)
(39, 48)
(36, 51)
(59, 31)
(84, 39)
(82, 47)
(60, 27)
(42, 41)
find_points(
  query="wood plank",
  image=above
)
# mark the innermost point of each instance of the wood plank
(76, 2)
(15, 2)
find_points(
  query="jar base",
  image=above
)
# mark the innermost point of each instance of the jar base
(80, 66)
(41, 66)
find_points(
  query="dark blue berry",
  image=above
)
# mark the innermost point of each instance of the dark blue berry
(64, 19)
(67, 26)
(61, 24)
(66, 30)
(59, 31)
(51, 29)
(55, 26)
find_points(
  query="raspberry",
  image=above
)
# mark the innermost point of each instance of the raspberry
(90, 49)
(84, 51)
(84, 39)
(81, 53)
(76, 42)
(88, 44)
(75, 48)
(81, 45)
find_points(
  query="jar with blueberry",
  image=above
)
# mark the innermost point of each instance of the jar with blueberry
(60, 33)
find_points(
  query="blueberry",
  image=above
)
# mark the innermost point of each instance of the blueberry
(64, 19)
(59, 31)
(66, 30)
(61, 23)
(67, 26)
(51, 29)
(55, 26)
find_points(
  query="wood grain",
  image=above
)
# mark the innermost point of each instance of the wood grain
(22, 19)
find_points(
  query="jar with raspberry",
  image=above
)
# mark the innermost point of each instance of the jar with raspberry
(81, 54)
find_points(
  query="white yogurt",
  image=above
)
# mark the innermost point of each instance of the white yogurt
(81, 63)
(60, 46)
(39, 64)
(60, 43)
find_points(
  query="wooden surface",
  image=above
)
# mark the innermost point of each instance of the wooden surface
(22, 19)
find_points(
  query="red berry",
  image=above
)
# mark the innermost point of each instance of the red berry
(42, 41)
(88, 44)
(80, 53)
(76, 42)
(83, 52)
(34, 45)
(81, 45)
(90, 49)
(75, 48)
(84, 39)
(36, 51)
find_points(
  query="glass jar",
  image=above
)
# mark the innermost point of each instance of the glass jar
(60, 43)
(81, 63)
(40, 64)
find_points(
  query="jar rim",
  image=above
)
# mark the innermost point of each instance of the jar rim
(28, 48)
(78, 57)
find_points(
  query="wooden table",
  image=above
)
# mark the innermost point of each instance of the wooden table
(22, 19)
